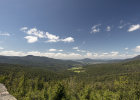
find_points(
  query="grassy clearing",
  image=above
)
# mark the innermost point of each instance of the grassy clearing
(77, 69)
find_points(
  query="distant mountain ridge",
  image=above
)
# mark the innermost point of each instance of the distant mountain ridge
(40, 61)
(98, 61)
(31, 60)
(134, 58)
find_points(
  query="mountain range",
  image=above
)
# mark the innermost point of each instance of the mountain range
(31, 60)
(37, 61)
(98, 61)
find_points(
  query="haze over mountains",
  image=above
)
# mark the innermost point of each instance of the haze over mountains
(31, 60)
(98, 61)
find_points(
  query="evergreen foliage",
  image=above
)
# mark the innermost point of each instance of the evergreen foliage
(117, 81)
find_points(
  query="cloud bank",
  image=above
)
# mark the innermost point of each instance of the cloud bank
(58, 55)
(33, 35)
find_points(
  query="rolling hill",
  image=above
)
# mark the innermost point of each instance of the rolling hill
(37, 61)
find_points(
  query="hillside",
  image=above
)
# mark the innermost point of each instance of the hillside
(106, 81)
(38, 61)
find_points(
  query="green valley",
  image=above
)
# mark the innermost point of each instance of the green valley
(110, 81)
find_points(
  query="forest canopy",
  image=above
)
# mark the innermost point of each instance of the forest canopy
(97, 82)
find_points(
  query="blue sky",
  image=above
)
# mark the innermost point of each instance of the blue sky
(70, 29)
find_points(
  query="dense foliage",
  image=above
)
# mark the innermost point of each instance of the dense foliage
(117, 81)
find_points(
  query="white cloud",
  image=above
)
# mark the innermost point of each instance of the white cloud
(137, 49)
(4, 34)
(88, 55)
(1, 48)
(126, 48)
(108, 28)
(51, 36)
(60, 50)
(51, 41)
(31, 39)
(76, 48)
(32, 31)
(35, 32)
(81, 50)
(68, 39)
(24, 29)
(95, 28)
(108, 55)
(46, 35)
(113, 55)
(134, 27)
(12, 53)
(52, 49)
(105, 53)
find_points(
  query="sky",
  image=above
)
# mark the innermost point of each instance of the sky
(70, 29)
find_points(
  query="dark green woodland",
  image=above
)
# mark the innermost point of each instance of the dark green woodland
(107, 81)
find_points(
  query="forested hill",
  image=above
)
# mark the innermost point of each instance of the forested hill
(112, 81)
(37, 61)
